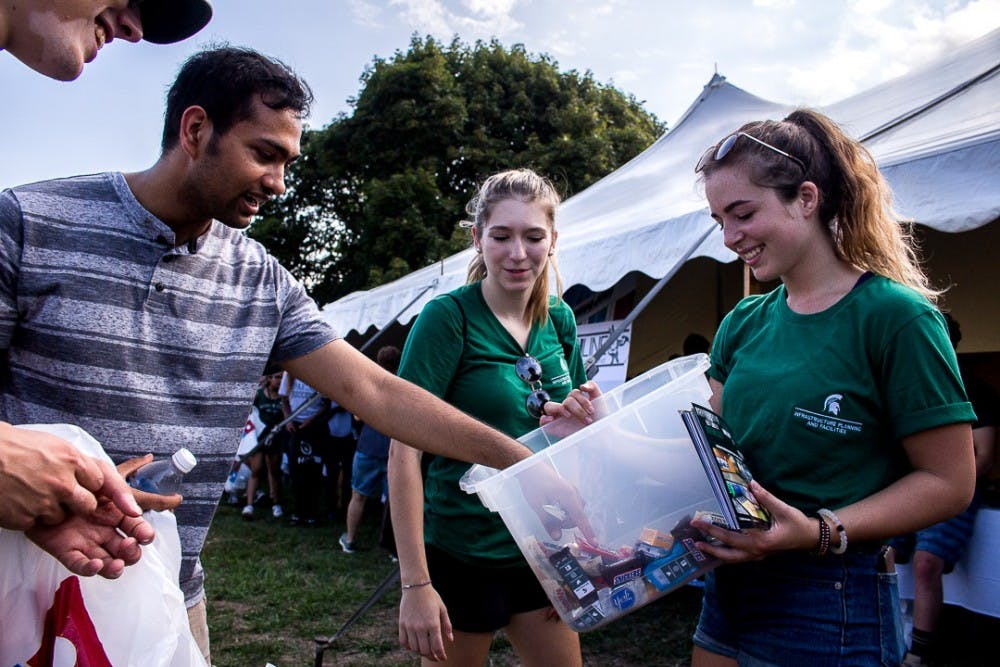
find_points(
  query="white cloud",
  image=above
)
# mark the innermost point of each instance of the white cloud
(563, 44)
(490, 7)
(606, 8)
(623, 77)
(365, 13)
(774, 4)
(474, 19)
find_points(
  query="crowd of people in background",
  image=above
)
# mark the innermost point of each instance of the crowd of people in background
(328, 461)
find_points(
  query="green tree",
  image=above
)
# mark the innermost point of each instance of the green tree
(378, 193)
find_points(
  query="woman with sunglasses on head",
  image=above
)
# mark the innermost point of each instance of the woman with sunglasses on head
(501, 349)
(864, 430)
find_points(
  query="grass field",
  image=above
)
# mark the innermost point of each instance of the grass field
(273, 588)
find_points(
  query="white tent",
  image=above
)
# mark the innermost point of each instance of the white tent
(935, 132)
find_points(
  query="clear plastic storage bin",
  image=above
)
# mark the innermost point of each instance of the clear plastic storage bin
(641, 482)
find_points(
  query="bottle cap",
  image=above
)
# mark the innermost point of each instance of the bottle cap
(184, 460)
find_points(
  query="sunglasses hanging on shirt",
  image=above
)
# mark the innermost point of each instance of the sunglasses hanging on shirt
(530, 371)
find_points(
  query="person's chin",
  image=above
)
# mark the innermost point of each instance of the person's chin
(67, 68)
(762, 275)
(236, 221)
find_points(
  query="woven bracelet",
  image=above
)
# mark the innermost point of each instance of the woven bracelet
(407, 587)
(824, 538)
(842, 547)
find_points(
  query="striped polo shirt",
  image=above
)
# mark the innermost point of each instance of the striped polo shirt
(147, 346)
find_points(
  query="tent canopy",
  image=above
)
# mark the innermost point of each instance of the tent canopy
(935, 132)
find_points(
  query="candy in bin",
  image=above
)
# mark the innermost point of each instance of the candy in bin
(589, 617)
(626, 596)
(653, 544)
(684, 561)
(574, 577)
(585, 546)
(623, 570)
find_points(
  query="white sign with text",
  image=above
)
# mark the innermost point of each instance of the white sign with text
(613, 364)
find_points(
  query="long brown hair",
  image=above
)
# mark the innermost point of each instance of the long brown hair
(855, 200)
(527, 186)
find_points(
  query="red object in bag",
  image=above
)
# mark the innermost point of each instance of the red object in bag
(68, 618)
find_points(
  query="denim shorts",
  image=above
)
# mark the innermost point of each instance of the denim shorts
(369, 476)
(797, 609)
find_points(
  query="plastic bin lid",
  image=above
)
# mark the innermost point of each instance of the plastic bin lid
(676, 370)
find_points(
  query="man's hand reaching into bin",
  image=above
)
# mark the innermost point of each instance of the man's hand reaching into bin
(556, 502)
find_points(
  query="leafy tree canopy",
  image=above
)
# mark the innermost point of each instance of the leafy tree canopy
(378, 193)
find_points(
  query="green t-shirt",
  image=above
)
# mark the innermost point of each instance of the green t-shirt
(477, 376)
(820, 403)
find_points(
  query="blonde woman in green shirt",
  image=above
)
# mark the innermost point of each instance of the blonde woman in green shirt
(501, 349)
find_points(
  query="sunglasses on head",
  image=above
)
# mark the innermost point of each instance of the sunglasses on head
(721, 150)
(530, 371)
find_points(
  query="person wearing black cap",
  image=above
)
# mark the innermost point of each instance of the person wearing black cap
(58, 38)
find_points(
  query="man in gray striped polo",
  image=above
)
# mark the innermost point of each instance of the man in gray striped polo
(56, 40)
(133, 305)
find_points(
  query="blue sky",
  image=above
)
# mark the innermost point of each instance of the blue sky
(662, 51)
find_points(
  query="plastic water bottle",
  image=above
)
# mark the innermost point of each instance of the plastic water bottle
(163, 477)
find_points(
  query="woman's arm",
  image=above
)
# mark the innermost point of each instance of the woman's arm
(423, 618)
(939, 486)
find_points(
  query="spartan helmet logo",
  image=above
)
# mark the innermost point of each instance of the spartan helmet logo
(832, 404)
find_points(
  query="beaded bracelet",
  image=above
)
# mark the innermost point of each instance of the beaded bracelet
(824, 538)
(407, 587)
(842, 547)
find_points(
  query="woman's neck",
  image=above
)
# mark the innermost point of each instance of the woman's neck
(510, 309)
(506, 305)
(820, 284)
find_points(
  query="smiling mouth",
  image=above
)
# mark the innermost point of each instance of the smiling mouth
(750, 254)
(254, 201)
(102, 33)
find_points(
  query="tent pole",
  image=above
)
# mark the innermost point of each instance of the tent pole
(590, 364)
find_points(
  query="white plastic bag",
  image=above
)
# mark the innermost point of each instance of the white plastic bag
(237, 480)
(138, 619)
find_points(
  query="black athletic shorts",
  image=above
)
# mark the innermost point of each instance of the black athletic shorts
(483, 599)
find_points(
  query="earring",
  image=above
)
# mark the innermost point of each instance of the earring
(551, 252)
(479, 250)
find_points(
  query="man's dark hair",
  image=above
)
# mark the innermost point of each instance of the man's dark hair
(388, 357)
(225, 81)
(695, 343)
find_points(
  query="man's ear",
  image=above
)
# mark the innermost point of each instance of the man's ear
(809, 198)
(195, 131)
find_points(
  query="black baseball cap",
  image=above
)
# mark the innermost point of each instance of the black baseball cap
(169, 21)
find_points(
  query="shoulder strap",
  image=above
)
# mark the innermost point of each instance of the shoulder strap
(465, 326)
(567, 344)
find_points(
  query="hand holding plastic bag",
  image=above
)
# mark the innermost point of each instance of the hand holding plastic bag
(48, 614)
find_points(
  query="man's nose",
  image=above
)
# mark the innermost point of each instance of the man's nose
(128, 24)
(274, 181)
